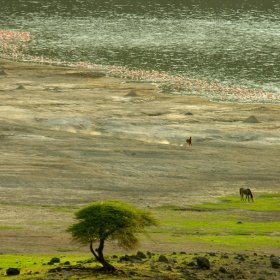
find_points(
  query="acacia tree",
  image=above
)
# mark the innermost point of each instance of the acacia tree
(110, 220)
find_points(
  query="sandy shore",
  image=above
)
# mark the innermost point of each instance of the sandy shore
(70, 136)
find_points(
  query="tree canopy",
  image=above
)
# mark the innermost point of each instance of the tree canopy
(110, 220)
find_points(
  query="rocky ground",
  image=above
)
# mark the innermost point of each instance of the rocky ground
(169, 267)
(70, 136)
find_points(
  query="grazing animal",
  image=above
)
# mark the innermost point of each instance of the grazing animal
(247, 193)
(189, 141)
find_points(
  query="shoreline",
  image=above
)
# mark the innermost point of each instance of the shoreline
(167, 84)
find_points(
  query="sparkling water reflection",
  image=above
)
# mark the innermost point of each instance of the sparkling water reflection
(216, 41)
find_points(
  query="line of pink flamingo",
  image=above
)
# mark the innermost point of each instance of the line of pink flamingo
(12, 47)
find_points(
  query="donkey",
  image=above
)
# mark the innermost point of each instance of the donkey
(248, 194)
(189, 141)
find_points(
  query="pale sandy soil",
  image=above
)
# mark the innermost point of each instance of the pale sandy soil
(68, 139)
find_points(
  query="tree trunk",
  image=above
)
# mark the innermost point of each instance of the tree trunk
(100, 258)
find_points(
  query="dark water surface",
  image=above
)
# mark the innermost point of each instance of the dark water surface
(226, 41)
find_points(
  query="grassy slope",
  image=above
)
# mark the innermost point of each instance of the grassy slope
(205, 223)
(228, 222)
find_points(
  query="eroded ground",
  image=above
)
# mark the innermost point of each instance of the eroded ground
(69, 137)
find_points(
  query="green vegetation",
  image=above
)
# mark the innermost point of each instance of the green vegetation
(247, 225)
(34, 265)
(38, 267)
(11, 227)
(241, 242)
(65, 208)
(263, 202)
(229, 224)
(109, 220)
(204, 223)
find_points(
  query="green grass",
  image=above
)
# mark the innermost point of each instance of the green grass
(36, 261)
(229, 222)
(63, 208)
(241, 242)
(34, 265)
(213, 223)
(262, 202)
(11, 227)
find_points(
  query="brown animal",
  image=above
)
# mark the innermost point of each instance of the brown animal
(189, 141)
(248, 194)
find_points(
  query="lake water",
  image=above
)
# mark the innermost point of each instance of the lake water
(221, 41)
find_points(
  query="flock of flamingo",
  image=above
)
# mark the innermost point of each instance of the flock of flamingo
(13, 46)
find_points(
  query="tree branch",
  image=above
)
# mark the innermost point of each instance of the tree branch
(91, 249)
